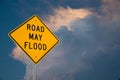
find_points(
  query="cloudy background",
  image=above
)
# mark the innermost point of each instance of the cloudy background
(88, 30)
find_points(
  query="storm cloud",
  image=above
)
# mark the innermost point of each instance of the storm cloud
(89, 46)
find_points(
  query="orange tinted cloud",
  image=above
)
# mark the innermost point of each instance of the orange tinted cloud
(64, 16)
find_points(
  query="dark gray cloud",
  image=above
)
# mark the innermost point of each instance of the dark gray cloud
(91, 50)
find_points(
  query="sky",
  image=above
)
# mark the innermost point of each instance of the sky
(88, 30)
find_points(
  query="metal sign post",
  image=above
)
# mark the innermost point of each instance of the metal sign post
(34, 71)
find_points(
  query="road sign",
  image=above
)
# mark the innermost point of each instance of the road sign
(34, 38)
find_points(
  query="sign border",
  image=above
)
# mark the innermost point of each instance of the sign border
(35, 15)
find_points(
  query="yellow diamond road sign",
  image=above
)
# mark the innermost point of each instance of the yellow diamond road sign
(34, 38)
